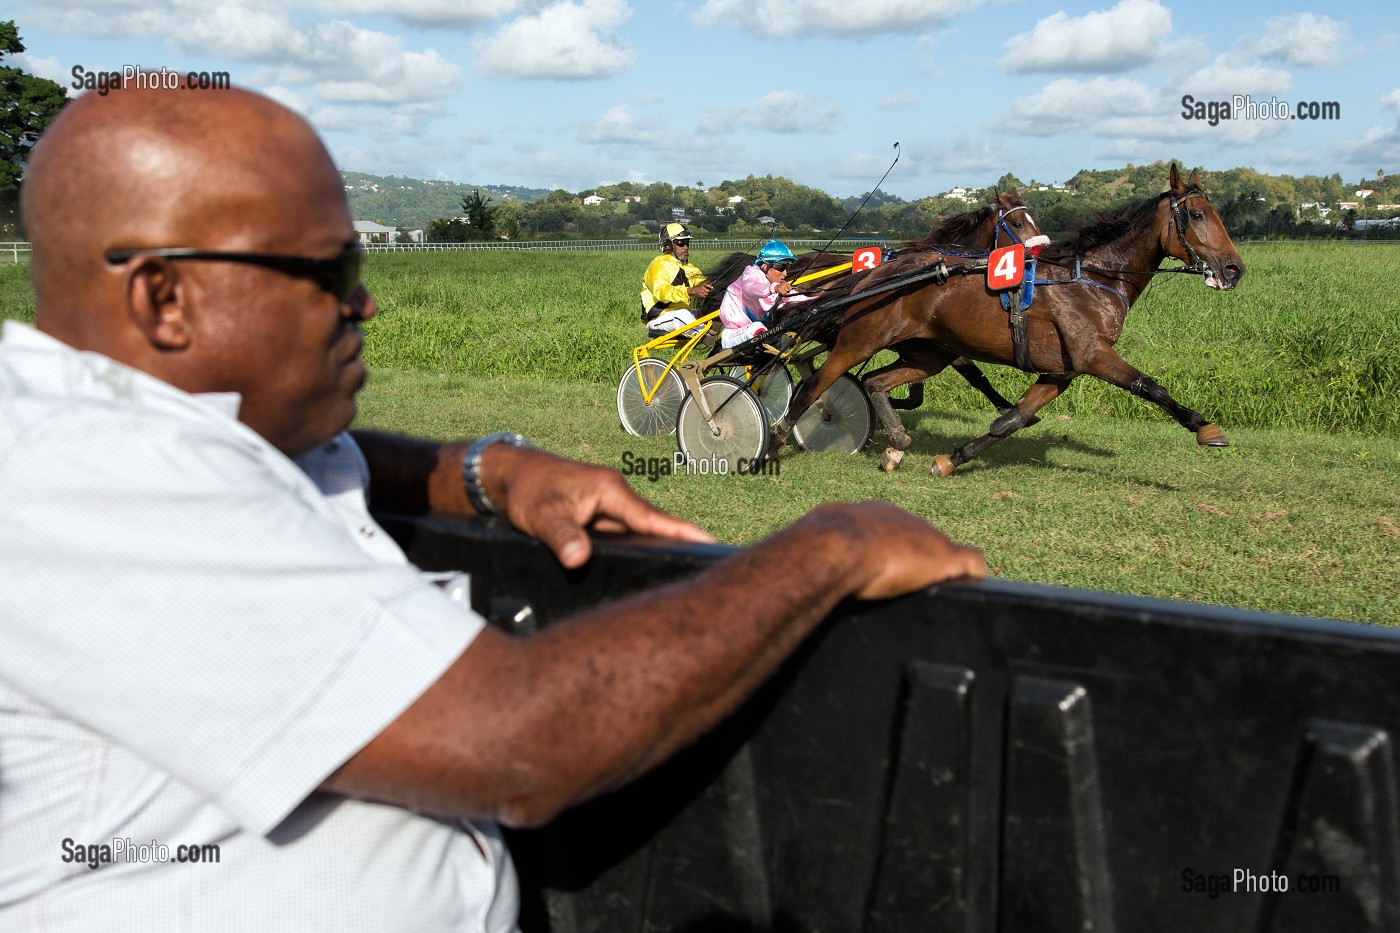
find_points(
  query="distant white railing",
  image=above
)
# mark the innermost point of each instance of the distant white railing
(13, 251)
(700, 245)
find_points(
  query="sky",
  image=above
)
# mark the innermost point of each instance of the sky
(575, 94)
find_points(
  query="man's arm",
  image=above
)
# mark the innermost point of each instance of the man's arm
(519, 729)
(545, 496)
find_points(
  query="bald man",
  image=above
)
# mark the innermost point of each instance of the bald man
(207, 641)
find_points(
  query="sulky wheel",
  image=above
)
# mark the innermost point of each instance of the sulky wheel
(666, 391)
(773, 388)
(842, 420)
(736, 439)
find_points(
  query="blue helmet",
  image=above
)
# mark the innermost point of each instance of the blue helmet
(774, 252)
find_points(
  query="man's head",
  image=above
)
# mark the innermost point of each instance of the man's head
(119, 183)
(675, 239)
(774, 258)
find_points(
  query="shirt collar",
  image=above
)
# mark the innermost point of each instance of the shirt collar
(104, 376)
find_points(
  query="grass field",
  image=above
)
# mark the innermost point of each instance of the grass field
(1301, 515)
(1305, 342)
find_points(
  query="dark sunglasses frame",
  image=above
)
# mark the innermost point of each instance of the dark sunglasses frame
(339, 275)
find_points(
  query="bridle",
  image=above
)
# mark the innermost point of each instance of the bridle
(1003, 225)
(1181, 223)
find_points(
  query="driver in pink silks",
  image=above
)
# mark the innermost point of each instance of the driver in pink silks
(750, 297)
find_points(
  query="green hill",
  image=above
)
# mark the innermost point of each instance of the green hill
(400, 201)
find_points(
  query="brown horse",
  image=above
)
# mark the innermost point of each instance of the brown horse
(828, 276)
(1073, 324)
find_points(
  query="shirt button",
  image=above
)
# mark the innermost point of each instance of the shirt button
(366, 531)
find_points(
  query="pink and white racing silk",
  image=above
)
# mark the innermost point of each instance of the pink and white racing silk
(746, 304)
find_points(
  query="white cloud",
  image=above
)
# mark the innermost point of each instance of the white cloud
(1227, 76)
(958, 155)
(346, 63)
(1303, 39)
(563, 40)
(1136, 120)
(899, 100)
(836, 18)
(41, 68)
(867, 166)
(1130, 34)
(1379, 146)
(1068, 104)
(619, 124)
(778, 112)
(428, 12)
(337, 60)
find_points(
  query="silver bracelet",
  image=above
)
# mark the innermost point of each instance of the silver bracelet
(471, 470)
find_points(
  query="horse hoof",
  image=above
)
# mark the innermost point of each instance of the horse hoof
(1211, 436)
(942, 466)
(889, 461)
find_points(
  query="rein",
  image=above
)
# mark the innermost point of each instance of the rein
(1181, 223)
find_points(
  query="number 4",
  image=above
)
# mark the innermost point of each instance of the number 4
(1006, 267)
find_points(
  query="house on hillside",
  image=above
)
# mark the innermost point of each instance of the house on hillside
(370, 232)
(592, 200)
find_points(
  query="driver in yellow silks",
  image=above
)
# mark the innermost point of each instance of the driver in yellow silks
(670, 282)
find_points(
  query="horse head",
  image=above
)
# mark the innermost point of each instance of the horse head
(1014, 219)
(1194, 233)
(1005, 221)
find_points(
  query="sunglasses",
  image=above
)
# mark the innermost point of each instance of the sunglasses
(339, 275)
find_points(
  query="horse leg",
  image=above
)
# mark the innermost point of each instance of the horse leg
(1041, 393)
(979, 381)
(915, 399)
(877, 386)
(1113, 369)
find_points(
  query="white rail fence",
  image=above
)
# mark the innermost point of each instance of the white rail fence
(14, 252)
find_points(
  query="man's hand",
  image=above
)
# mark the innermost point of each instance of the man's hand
(892, 552)
(699, 291)
(555, 500)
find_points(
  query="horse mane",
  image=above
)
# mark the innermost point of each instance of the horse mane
(952, 231)
(1109, 226)
(958, 229)
(719, 276)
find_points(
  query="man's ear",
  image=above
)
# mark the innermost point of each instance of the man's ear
(155, 300)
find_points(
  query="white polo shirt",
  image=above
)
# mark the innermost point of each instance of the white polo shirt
(194, 632)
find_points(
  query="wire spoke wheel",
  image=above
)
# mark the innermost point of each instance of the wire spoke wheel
(773, 388)
(666, 390)
(738, 435)
(841, 421)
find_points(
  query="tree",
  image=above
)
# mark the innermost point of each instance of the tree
(1009, 182)
(27, 106)
(442, 230)
(480, 216)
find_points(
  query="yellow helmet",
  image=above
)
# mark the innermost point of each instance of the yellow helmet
(672, 232)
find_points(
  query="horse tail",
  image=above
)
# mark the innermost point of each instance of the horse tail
(720, 275)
